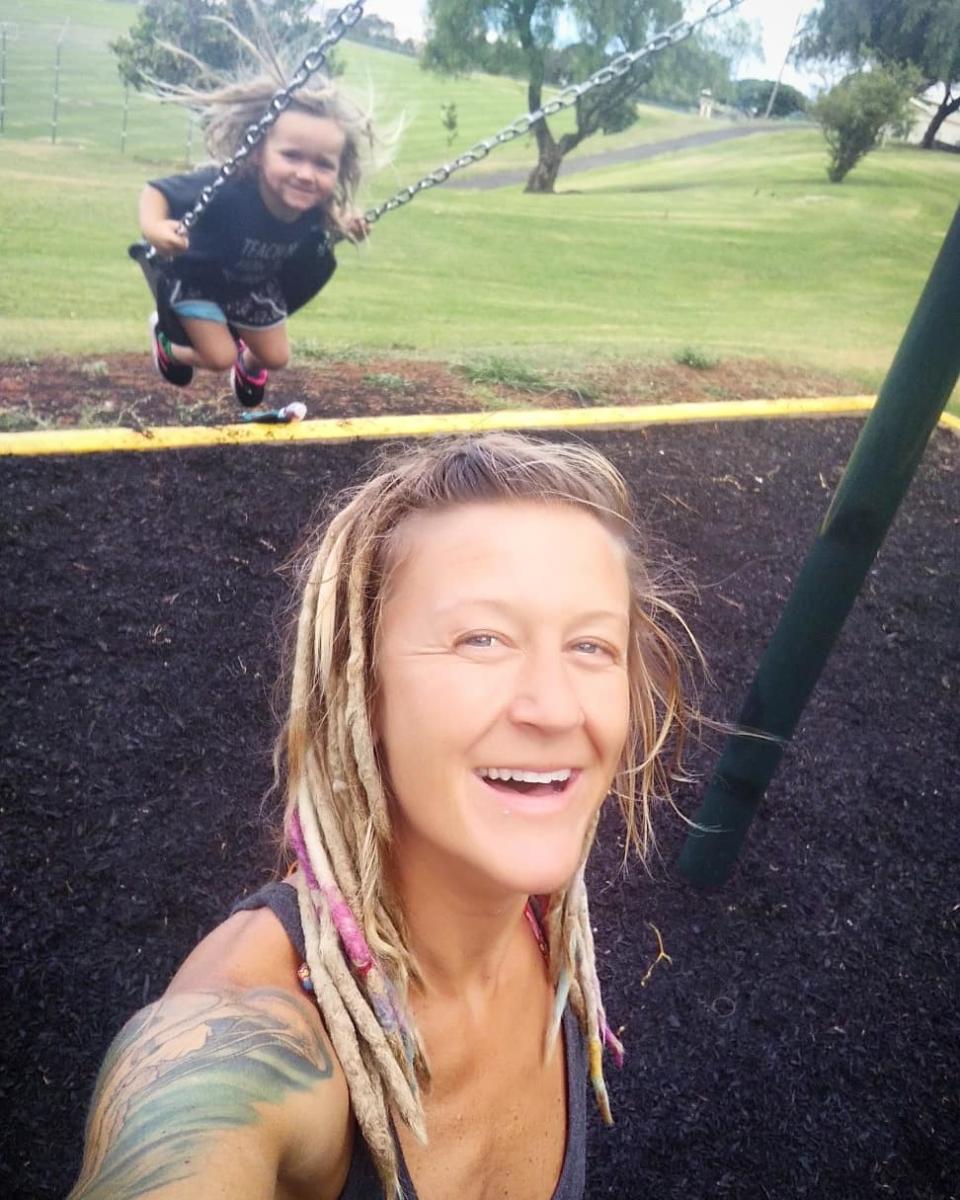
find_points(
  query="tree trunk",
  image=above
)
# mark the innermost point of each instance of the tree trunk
(949, 104)
(544, 175)
(550, 154)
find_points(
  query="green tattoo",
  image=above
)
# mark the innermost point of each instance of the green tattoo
(169, 1081)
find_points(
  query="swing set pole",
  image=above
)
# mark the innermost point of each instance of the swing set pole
(883, 462)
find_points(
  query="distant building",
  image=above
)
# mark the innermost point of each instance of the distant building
(923, 109)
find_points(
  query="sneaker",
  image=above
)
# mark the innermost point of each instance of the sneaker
(179, 374)
(248, 389)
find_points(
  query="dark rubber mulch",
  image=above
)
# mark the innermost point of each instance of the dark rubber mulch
(802, 1043)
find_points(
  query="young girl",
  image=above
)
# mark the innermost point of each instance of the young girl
(480, 661)
(262, 247)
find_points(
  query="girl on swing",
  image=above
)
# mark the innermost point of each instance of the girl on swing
(262, 247)
(481, 661)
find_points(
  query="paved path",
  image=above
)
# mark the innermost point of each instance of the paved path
(608, 158)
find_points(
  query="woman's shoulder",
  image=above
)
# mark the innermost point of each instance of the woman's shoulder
(233, 1063)
(251, 959)
(250, 949)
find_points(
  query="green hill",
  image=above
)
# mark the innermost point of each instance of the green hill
(91, 106)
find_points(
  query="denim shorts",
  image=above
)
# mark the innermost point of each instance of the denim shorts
(263, 307)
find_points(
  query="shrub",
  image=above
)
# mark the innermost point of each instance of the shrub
(854, 114)
(699, 360)
(753, 96)
(505, 372)
(387, 381)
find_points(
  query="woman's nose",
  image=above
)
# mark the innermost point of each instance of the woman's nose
(545, 695)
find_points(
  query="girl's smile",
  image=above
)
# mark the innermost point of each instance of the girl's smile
(299, 163)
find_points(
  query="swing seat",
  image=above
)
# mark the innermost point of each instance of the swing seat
(301, 278)
(152, 266)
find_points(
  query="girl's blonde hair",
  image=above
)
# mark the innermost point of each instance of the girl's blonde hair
(337, 821)
(226, 106)
(227, 111)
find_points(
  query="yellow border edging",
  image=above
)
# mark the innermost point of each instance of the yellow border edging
(950, 421)
(344, 429)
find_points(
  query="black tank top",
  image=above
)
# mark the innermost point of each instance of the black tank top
(363, 1183)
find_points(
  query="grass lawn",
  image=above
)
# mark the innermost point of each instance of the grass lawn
(741, 248)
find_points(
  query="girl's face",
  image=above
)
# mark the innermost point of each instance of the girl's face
(502, 706)
(298, 163)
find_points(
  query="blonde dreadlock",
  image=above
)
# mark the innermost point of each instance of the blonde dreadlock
(337, 818)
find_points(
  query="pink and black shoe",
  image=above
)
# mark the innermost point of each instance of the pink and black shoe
(249, 389)
(179, 374)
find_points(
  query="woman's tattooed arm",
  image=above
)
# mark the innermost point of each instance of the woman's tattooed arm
(182, 1074)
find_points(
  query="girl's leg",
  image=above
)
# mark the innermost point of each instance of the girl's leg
(267, 349)
(211, 345)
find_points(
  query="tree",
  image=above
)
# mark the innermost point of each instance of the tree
(518, 37)
(900, 33)
(854, 114)
(450, 121)
(707, 60)
(753, 96)
(197, 28)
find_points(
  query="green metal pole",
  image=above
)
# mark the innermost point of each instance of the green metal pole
(883, 462)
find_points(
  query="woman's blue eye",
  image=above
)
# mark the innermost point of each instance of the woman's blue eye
(594, 649)
(481, 640)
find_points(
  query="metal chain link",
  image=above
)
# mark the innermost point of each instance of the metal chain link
(566, 98)
(345, 19)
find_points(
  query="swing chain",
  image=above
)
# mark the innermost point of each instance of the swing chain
(565, 98)
(345, 19)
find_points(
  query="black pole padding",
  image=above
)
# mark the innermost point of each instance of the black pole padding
(914, 394)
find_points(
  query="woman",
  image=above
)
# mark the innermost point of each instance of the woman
(479, 663)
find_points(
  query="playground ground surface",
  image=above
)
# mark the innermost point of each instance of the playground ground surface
(802, 1040)
(123, 389)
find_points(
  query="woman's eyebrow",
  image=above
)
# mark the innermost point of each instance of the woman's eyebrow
(508, 609)
(605, 614)
(454, 606)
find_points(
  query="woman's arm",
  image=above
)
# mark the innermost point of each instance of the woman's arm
(156, 224)
(201, 1095)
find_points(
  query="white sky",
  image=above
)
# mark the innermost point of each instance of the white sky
(775, 18)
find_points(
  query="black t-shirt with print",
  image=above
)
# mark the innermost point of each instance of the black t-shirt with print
(237, 242)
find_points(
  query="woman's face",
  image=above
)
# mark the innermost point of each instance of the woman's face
(502, 706)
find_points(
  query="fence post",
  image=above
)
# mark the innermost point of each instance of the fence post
(126, 116)
(56, 85)
(888, 451)
(3, 75)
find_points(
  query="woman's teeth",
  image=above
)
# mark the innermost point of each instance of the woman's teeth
(512, 774)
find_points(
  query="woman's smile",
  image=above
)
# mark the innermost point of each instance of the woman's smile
(527, 791)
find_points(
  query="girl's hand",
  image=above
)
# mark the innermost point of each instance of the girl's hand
(167, 237)
(357, 227)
